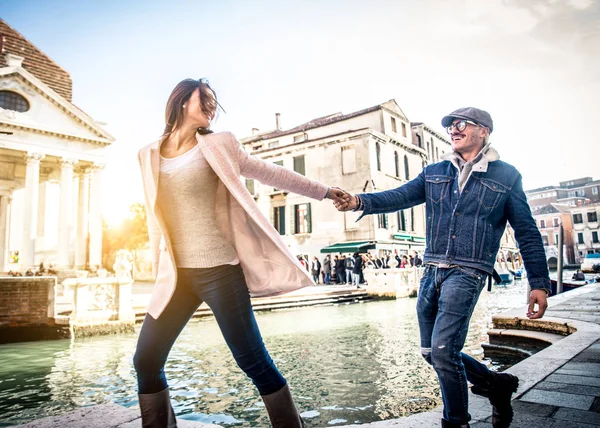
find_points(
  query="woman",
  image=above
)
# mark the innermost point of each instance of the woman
(210, 243)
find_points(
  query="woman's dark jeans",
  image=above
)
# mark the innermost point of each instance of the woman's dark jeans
(224, 290)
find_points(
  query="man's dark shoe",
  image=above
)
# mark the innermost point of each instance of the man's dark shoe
(446, 424)
(499, 390)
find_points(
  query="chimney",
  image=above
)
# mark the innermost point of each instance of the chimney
(254, 131)
(278, 121)
(13, 60)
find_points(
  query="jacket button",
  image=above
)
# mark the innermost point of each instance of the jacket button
(453, 236)
(457, 214)
(466, 191)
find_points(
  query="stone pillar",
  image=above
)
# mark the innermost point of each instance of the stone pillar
(4, 230)
(30, 212)
(65, 211)
(74, 217)
(96, 216)
(83, 202)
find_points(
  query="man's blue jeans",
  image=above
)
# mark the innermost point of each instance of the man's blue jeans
(447, 297)
(224, 290)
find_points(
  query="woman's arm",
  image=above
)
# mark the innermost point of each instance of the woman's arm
(277, 176)
(154, 232)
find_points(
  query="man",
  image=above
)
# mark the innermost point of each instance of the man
(418, 261)
(340, 270)
(327, 269)
(315, 269)
(349, 265)
(469, 197)
(357, 269)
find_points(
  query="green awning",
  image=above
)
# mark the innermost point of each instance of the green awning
(404, 236)
(418, 239)
(349, 247)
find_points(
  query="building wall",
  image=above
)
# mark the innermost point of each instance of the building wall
(26, 301)
(547, 224)
(587, 229)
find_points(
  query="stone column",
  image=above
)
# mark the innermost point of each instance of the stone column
(96, 216)
(4, 230)
(74, 217)
(83, 202)
(30, 212)
(65, 211)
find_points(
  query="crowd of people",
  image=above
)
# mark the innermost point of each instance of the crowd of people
(349, 269)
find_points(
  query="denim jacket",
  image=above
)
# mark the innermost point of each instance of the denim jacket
(465, 228)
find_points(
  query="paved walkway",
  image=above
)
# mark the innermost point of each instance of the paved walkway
(559, 386)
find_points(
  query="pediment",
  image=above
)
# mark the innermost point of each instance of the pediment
(393, 106)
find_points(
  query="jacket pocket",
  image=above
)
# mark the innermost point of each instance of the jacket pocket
(490, 194)
(437, 187)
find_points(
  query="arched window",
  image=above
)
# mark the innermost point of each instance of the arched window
(397, 164)
(378, 154)
(406, 172)
(12, 101)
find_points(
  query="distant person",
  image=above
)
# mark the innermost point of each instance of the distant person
(469, 196)
(340, 270)
(327, 269)
(357, 269)
(411, 259)
(315, 269)
(418, 260)
(349, 266)
(210, 243)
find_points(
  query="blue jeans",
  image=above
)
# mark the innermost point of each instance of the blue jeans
(224, 290)
(447, 297)
(349, 276)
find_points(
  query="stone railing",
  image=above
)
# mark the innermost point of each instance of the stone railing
(101, 305)
(393, 282)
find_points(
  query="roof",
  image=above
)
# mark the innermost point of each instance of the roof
(545, 209)
(35, 61)
(541, 189)
(314, 123)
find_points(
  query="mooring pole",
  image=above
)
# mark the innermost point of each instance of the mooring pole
(559, 266)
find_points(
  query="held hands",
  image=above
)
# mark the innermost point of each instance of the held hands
(342, 200)
(539, 297)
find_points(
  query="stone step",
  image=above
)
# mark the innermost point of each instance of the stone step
(527, 340)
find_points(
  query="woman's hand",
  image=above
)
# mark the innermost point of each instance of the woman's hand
(342, 200)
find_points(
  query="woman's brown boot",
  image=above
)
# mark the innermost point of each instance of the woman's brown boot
(282, 410)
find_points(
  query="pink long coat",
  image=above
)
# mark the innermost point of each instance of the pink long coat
(268, 265)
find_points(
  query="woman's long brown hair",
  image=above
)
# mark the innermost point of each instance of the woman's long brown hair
(180, 95)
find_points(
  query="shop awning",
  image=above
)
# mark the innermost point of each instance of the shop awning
(409, 238)
(349, 247)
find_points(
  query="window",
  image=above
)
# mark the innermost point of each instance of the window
(397, 164)
(428, 151)
(437, 154)
(412, 219)
(299, 165)
(394, 125)
(250, 186)
(595, 237)
(378, 155)
(555, 222)
(592, 217)
(419, 141)
(577, 218)
(273, 144)
(404, 129)
(406, 172)
(348, 160)
(279, 219)
(12, 101)
(300, 138)
(594, 190)
(382, 221)
(401, 220)
(556, 239)
(542, 224)
(575, 193)
(580, 238)
(302, 220)
(545, 239)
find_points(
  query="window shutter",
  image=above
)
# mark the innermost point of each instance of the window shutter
(282, 220)
(299, 165)
(293, 219)
(308, 219)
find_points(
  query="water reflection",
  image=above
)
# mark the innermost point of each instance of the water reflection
(345, 364)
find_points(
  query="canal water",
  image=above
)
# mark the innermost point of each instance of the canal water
(352, 363)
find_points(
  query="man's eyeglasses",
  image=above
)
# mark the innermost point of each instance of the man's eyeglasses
(460, 126)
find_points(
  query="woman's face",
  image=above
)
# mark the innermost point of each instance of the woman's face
(193, 113)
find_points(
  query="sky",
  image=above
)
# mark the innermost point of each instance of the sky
(533, 64)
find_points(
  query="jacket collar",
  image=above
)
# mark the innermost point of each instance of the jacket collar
(480, 162)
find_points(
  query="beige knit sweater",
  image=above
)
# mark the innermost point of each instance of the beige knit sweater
(186, 198)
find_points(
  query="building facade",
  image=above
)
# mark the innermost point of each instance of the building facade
(585, 230)
(51, 162)
(365, 151)
(577, 192)
(548, 219)
(432, 142)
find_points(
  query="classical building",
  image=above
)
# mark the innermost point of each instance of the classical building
(365, 151)
(51, 161)
(573, 192)
(434, 143)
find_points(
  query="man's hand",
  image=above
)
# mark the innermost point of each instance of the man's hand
(338, 196)
(539, 297)
(345, 202)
